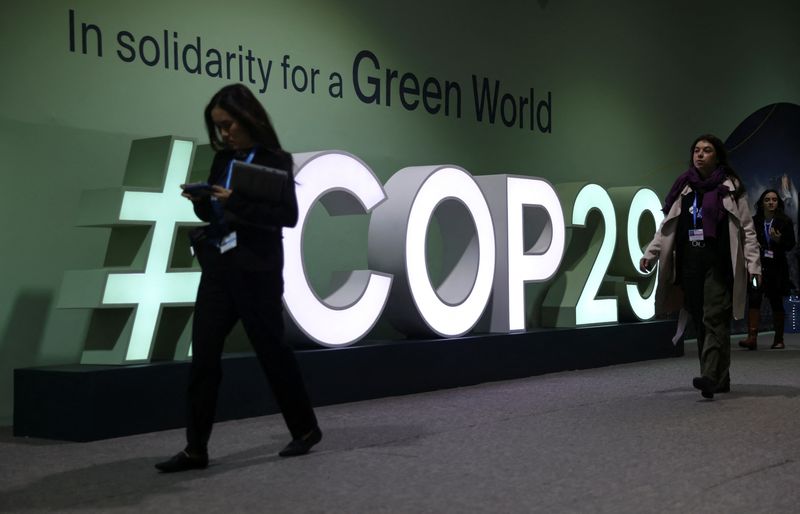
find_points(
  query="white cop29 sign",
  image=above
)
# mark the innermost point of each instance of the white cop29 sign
(578, 241)
(499, 233)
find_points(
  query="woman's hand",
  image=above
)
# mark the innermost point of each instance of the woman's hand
(190, 197)
(220, 193)
(774, 234)
(644, 265)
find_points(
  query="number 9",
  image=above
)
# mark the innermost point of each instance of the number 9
(631, 204)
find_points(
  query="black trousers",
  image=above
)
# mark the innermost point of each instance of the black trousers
(754, 297)
(226, 295)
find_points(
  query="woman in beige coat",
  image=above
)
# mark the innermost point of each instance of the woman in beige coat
(707, 251)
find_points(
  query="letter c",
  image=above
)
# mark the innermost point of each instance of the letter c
(344, 185)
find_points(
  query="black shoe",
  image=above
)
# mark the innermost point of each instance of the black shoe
(183, 462)
(302, 445)
(705, 385)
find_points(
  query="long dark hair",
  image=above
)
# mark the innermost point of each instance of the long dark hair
(760, 204)
(722, 159)
(238, 101)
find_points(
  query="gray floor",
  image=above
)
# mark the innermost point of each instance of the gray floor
(634, 438)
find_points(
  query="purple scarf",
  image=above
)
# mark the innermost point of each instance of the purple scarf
(713, 193)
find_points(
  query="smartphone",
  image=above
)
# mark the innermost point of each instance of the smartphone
(198, 189)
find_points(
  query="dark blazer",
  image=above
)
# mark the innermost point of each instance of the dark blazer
(257, 222)
(775, 271)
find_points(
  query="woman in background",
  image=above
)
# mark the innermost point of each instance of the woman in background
(775, 232)
(705, 248)
(240, 253)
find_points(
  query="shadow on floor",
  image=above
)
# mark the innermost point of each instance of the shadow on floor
(128, 482)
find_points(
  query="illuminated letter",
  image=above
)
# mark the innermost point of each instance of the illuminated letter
(344, 185)
(572, 297)
(631, 204)
(522, 206)
(397, 244)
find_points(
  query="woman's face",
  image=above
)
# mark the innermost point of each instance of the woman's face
(705, 157)
(232, 133)
(770, 202)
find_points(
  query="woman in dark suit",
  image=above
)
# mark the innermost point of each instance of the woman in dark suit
(240, 253)
(775, 234)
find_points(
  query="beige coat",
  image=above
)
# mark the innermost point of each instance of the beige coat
(744, 253)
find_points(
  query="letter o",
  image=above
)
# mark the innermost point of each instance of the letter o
(397, 243)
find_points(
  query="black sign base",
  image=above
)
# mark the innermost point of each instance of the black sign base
(87, 403)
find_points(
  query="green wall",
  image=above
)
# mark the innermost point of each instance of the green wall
(631, 84)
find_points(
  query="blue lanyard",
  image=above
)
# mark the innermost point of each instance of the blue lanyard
(230, 167)
(767, 226)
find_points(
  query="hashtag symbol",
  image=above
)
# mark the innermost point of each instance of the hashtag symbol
(148, 291)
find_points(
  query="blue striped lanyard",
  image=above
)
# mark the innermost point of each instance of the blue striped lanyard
(767, 227)
(230, 167)
(694, 210)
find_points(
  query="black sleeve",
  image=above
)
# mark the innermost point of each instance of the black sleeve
(202, 207)
(259, 212)
(758, 225)
(787, 236)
